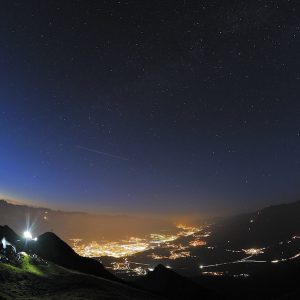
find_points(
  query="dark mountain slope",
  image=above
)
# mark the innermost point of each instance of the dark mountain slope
(269, 281)
(9, 234)
(264, 227)
(51, 248)
(166, 282)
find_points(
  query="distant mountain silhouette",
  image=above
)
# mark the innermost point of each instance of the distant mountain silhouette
(86, 226)
(263, 227)
(168, 283)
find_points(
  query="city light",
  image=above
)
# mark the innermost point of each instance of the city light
(157, 257)
(253, 251)
(175, 255)
(197, 243)
(27, 235)
(213, 273)
(187, 230)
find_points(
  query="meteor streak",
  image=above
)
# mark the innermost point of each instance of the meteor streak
(100, 152)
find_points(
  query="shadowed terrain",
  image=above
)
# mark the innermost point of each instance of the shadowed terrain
(166, 282)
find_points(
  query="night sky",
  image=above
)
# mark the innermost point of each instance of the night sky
(165, 107)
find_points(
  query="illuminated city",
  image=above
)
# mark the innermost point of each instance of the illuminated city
(124, 249)
(115, 249)
(133, 245)
(253, 251)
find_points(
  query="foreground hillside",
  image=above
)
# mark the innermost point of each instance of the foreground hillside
(51, 248)
(49, 281)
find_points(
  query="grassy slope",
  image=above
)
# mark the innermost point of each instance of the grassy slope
(53, 282)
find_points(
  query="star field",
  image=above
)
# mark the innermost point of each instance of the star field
(150, 106)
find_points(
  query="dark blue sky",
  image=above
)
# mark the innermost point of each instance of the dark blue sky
(150, 106)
